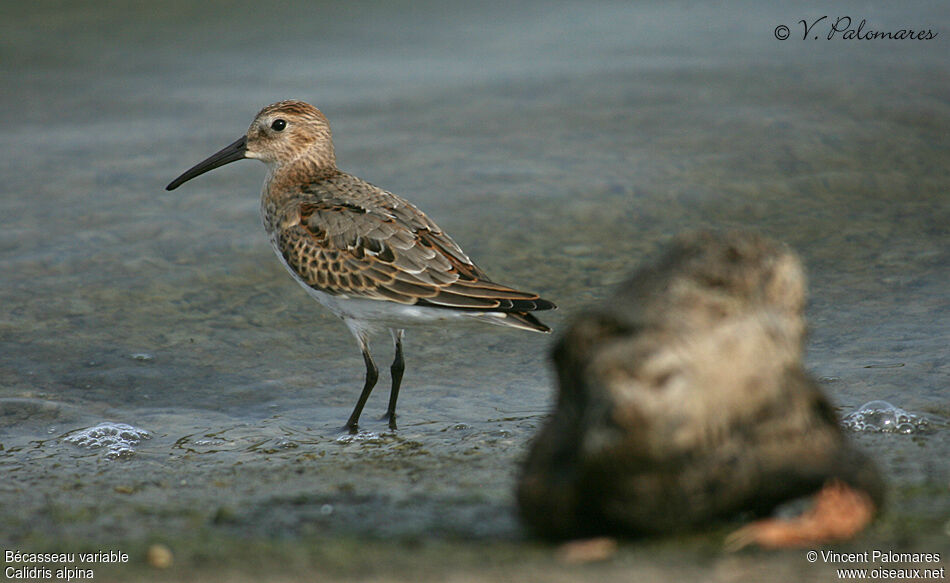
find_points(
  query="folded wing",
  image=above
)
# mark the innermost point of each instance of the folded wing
(391, 252)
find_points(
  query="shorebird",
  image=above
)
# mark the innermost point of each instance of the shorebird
(369, 256)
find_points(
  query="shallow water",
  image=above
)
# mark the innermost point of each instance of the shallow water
(560, 144)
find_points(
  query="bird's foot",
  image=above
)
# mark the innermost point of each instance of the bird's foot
(838, 513)
(391, 417)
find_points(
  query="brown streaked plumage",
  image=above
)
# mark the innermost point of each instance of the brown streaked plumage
(371, 257)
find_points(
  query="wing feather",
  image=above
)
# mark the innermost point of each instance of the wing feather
(350, 238)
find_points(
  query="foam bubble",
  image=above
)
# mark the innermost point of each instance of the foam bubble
(118, 439)
(361, 437)
(882, 417)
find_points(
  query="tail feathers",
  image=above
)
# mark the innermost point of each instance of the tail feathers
(497, 309)
(520, 320)
(460, 302)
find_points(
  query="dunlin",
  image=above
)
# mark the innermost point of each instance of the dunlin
(683, 401)
(369, 256)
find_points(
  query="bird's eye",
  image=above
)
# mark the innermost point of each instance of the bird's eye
(278, 125)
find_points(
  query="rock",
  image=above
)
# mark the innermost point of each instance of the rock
(159, 556)
(683, 401)
(587, 550)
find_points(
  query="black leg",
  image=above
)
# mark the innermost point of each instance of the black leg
(372, 373)
(397, 368)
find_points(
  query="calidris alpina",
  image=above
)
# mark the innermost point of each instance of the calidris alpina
(683, 402)
(369, 256)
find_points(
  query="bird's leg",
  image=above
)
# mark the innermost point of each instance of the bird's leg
(372, 373)
(396, 370)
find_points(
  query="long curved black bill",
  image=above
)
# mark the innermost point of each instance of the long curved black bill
(226, 155)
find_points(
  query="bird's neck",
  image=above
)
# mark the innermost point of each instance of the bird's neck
(282, 187)
(302, 170)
